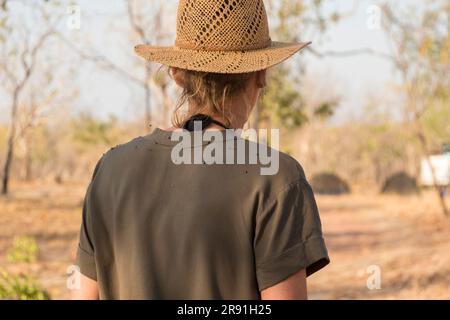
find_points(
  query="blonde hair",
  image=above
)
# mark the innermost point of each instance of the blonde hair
(208, 92)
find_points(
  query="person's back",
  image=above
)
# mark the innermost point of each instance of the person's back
(208, 231)
(163, 221)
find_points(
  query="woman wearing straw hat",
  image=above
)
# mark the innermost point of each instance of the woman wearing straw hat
(157, 228)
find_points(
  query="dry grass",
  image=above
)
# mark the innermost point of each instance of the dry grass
(406, 237)
(52, 215)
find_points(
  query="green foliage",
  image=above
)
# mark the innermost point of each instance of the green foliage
(87, 130)
(436, 120)
(24, 249)
(282, 104)
(325, 109)
(20, 287)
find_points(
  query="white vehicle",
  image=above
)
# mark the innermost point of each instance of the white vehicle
(441, 165)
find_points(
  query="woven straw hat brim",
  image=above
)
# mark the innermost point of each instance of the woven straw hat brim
(221, 61)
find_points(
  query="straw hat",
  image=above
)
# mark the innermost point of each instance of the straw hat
(221, 36)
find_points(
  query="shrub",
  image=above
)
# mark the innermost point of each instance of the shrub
(400, 183)
(20, 287)
(329, 183)
(24, 249)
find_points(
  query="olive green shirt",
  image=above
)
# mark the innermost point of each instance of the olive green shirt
(153, 229)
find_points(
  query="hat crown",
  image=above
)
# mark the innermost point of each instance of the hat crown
(222, 25)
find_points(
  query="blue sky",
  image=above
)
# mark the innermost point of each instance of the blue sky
(353, 78)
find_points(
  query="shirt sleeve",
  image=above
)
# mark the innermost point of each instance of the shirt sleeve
(85, 254)
(288, 236)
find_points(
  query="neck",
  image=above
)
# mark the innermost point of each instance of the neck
(238, 117)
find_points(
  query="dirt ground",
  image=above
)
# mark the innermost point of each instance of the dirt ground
(405, 237)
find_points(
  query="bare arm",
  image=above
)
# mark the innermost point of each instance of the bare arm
(293, 288)
(88, 289)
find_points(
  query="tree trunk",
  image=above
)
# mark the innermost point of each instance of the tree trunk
(148, 97)
(10, 145)
(28, 158)
(8, 163)
(436, 187)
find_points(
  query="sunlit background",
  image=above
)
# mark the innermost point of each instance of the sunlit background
(365, 110)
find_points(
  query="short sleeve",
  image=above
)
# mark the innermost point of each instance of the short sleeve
(288, 236)
(85, 253)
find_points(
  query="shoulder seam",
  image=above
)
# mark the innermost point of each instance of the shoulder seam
(287, 187)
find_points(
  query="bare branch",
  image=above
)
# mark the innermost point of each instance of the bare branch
(134, 24)
(29, 66)
(352, 52)
(101, 60)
